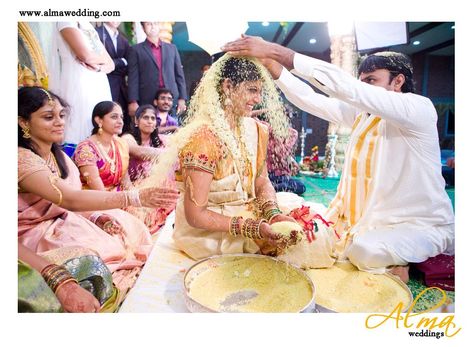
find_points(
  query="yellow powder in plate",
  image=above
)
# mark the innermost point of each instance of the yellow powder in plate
(251, 285)
(343, 288)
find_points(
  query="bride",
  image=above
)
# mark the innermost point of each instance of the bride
(227, 202)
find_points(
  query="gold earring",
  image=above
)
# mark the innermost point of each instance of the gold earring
(100, 131)
(26, 133)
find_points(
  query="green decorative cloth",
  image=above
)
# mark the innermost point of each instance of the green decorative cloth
(34, 295)
(92, 274)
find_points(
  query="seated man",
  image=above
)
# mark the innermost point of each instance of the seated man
(391, 208)
(164, 103)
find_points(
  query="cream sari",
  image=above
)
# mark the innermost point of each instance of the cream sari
(229, 195)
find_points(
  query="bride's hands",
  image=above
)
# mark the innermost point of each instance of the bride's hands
(278, 240)
(282, 218)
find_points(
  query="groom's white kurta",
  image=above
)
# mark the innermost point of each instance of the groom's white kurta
(391, 196)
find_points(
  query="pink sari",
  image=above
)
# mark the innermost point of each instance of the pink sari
(44, 226)
(87, 153)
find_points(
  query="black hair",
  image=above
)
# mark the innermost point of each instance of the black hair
(100, 110)
(396, 63)
(162, 91)
(239, 70)
(30, 100)
(154, 138)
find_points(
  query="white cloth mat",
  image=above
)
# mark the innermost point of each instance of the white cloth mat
(159, 289)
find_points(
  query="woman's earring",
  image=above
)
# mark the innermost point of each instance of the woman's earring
(26, 133)
(100, 131)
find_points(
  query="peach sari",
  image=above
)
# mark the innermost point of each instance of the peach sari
(44, 226)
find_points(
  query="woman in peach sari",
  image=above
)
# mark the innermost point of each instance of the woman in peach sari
(49, 190)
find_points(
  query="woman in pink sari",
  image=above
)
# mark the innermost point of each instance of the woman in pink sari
(103, 159)
(49, 190)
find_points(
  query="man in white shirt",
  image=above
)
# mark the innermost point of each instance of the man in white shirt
(391, 208)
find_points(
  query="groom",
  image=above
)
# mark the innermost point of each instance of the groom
(391, 207)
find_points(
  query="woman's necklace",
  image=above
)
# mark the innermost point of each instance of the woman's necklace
(106, 156)
(53, 164)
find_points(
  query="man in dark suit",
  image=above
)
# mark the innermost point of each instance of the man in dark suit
(117, 46)
(154, 64)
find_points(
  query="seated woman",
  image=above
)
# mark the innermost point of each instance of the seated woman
(227, 203)
(68, 279)
(103, 157)
(145, 134)
(281, 164)
(49, 190)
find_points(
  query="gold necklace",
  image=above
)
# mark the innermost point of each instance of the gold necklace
(106, 156)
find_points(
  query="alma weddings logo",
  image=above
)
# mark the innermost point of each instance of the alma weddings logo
(416, 320)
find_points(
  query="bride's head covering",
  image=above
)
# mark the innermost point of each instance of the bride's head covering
(206, 109)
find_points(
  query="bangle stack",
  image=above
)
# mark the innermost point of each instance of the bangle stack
(251, 228)
(234, 229)
(132, 198)
(270, 209)
(56, 276)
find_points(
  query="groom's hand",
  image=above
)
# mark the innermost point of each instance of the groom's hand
(252, 46)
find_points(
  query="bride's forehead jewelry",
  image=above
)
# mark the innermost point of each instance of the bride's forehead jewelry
(50, 99)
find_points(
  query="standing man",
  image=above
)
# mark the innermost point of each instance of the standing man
(163, 103)
(154, 64)
(117, 46)
(391, 208)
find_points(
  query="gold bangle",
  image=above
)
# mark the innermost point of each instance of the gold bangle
(273, 216)
(46, 269)
(53, 179)
(259, 235)
(234, 226)
(71, 279)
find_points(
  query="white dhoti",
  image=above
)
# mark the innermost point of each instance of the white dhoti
(376, 249)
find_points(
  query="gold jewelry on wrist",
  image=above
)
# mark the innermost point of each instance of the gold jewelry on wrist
(64, 282)
(273, 216)
(269, 208)
(56, 276)
(234, 229)
(251, 228)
